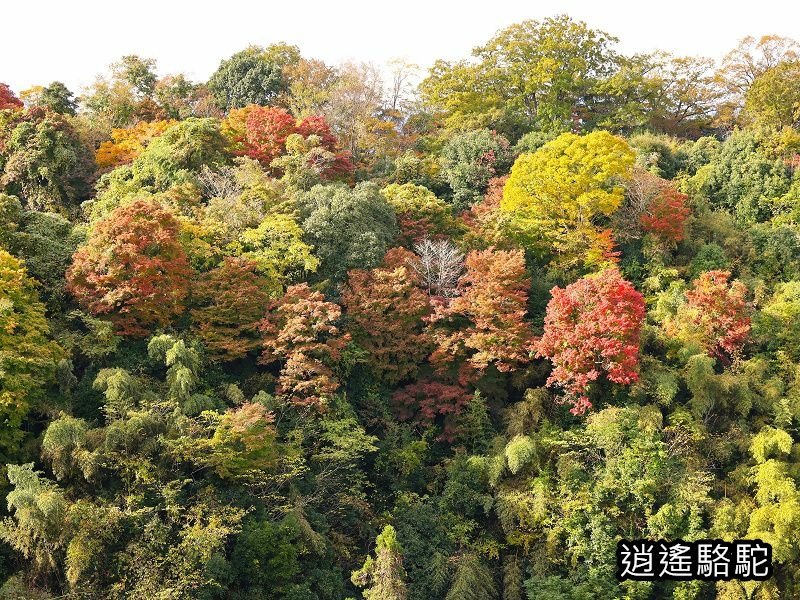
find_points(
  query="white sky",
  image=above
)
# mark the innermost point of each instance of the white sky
(74, 40)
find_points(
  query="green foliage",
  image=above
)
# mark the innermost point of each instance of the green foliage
(28, 357)
(44, 241)
(383, 576)
(470, 160)
(183, 365)
(347, 228)
(657, 154)
(44, 161)
(420, 213)
(710, 257)
(473, 580)
(532, 141)
(58, 98)
(773, 100)
(777, 323)
(38, 528)
(743, 180)
(265, 556)
(172, 160)
(250, 76)
(311, 309)
(531, 74)
(63, 440)
(277, 248)
(519, 452)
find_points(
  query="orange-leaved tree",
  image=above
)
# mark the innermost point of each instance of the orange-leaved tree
(230, 302)
(485, 324)
(716, 315)
(133, 269)
(301, 333)
(386, 310)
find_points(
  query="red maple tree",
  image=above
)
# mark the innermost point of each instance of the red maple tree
(427, 400)
(666, 214)
(266, 130)
(7, 98)
(718, 311)
(592, 330)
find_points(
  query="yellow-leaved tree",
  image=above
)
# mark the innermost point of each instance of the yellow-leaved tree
(556, 198)
(28, 356)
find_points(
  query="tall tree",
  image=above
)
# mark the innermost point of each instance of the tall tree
(385, 309)
(485, 323)
(470, 160)
(58, 98)
(716, 315)
(753, 57)
(773, 99)
(44, 161)
(420, 214)
(383, 577)
(229, 305)
(301, 333)
(534, 74)
(348, 228)
(247, 77)
(27, 355)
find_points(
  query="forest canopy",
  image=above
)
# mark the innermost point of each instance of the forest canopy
(328, 332)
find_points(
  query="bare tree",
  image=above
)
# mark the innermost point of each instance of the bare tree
(440, 266)
(640, 190)
(402, 88)
(219, 183)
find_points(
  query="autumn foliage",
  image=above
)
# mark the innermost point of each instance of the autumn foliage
(666, 214)
(127, 144)
(7, 98)
(260, 132)
(230, 303)
(300, 332)
(484, 218)
(133, 269)
(716, 313)
(555, 196)
(485, 324)
(386, 308)
(425, 401)
(266, 130)
(591, 330)
(317, 125)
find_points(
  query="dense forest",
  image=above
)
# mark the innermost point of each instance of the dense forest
(315, 332)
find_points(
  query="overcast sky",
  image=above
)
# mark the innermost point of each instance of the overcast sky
(74, 40)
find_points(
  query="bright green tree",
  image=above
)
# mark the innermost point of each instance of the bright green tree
(383, 577)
